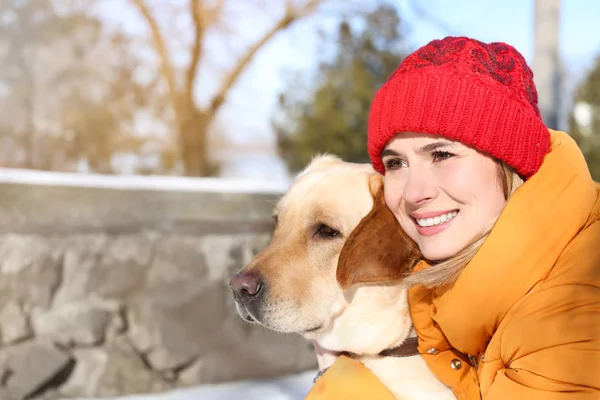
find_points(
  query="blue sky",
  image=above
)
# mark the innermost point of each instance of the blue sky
(512, 21)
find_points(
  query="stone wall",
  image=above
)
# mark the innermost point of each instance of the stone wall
(112, 291)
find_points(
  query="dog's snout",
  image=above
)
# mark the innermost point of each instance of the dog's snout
(246, 286)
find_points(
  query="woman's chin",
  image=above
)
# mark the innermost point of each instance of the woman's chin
(439, 252)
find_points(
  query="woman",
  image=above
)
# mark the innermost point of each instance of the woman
(507, 303)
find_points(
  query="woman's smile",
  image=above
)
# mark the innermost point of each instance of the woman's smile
(432, 223)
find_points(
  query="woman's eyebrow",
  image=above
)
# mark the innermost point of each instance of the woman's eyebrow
(389, 152)
(425, 149)
(434, 146)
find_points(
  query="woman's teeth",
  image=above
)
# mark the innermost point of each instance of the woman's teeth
(440, 219)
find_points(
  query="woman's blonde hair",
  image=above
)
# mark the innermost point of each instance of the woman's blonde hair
(446, 272)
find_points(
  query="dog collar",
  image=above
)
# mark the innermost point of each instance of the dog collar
(407, 349)
(319, 374)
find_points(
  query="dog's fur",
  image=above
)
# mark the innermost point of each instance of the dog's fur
(343, 291)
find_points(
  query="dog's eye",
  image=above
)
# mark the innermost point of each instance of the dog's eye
(327, 232)
(275, 219)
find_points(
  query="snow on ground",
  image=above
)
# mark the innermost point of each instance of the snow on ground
(141, 182)
(292, 387)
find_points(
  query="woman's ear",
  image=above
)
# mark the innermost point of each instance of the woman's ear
(377, 250)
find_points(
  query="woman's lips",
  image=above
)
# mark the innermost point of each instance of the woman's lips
(429, 224)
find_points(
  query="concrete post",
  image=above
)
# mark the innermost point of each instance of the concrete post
(546, 62)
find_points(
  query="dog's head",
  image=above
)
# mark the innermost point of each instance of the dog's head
(333, 232)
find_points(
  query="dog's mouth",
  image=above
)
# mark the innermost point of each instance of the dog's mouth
(313, 329)
(247, 316)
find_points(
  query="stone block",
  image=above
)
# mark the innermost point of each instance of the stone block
(14, 323)
(174, 323)
(31, 366)
(112, 370)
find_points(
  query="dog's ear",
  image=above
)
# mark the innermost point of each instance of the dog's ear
(377, 250)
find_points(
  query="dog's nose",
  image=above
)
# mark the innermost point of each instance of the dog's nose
(246, 286)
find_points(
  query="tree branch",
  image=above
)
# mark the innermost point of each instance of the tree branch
(291, 15)
(161, 49)
(304, 11)
(198, 16)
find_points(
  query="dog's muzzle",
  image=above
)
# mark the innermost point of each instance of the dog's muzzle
(248, 291)
(246, 287)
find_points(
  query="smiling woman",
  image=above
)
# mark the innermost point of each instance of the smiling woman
(471, 189)
(506, 216)
(442, 193)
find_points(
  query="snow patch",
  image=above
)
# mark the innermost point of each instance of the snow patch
(292, 387)
(141, 182)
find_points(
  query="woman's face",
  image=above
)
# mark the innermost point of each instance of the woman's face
(442, 193)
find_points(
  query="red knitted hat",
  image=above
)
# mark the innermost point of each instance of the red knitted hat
(479, 94)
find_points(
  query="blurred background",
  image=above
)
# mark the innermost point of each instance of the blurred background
(143, 144)
(251, 88)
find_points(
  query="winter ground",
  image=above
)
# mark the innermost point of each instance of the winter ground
(293, 387)
(138, 182)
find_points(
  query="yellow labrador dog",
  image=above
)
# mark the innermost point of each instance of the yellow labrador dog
(320, 278)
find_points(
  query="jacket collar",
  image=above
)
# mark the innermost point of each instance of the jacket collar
(539, 220)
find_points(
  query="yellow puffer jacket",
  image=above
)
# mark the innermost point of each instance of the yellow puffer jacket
(523, 318)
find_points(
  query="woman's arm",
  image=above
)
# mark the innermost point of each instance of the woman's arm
(348, 379)
(551, 347)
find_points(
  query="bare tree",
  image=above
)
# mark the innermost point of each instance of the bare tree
(192, 121)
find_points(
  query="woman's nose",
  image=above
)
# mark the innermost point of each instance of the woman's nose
(419, 187)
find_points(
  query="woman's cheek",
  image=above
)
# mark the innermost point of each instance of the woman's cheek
(392, 192)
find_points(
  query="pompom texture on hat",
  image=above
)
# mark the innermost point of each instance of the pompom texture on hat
(479, 94)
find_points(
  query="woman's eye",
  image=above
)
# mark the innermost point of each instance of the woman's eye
(441, 156)
(394, 163)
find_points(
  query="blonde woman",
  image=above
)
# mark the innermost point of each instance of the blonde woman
(506, 304)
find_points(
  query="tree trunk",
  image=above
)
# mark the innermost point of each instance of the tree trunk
(193, 135)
